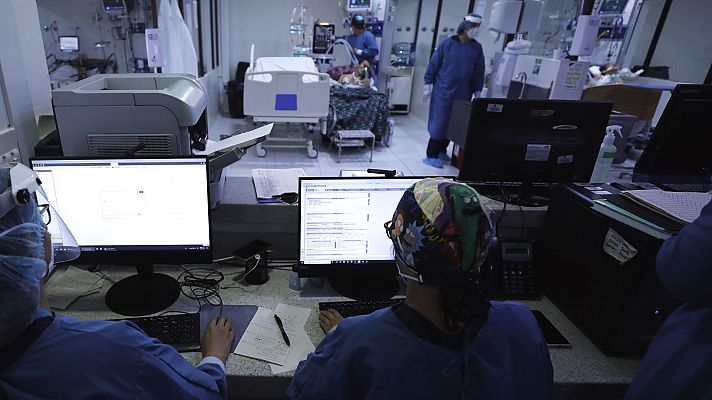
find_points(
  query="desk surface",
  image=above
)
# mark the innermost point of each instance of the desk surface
(651, 83)
(581, 364)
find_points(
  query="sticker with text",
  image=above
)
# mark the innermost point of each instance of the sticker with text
(615, 246)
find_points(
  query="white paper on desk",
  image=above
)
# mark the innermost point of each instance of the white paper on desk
(294, 319)
(212, 146)
(72, 284)
(273, 182)
(262, 339)
(301, 347)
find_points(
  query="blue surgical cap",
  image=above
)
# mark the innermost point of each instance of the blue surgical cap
(22, 264)
(465, 24)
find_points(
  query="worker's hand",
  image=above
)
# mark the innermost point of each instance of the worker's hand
(329, 319)
(217, 340)
(427, 91)
(358, 52)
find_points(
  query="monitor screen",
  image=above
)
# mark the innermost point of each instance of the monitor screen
(535, 141)
(359, 4)
(69, 43)
(612, 6)
(341, 223)
(680, 149)
(132, 211)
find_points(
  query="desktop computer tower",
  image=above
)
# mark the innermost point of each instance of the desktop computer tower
(601, 274)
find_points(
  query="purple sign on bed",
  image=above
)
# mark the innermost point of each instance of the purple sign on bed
(286, 102)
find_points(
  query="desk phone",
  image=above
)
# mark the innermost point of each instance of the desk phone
(513, 272)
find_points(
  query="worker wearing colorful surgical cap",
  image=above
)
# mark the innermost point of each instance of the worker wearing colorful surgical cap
(456, 72)
(48, 356)
(447, 340)
(678, 363)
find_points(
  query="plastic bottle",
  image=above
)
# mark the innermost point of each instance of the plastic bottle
(606, 154)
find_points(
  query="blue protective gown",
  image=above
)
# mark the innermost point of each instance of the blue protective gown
(365, 42)
(456, 71)
(678, 364)
(106, 360)
(377, 357)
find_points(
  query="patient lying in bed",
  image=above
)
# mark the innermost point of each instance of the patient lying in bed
(359, 78)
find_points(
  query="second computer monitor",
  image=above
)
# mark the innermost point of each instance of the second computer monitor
(680, 149)
(341, 225)
(534, 141)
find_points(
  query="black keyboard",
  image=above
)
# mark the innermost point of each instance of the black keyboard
(352, 308)
(181, 331)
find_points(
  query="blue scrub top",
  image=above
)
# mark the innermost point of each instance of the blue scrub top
(365, 42)
(678, 363)
(456, 71)
(378, 357)
(106, 360)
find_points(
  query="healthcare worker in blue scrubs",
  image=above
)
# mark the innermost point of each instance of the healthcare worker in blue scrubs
(48, 356)
(678, 363)
(362, 41)
(456, 72)
(447, 341)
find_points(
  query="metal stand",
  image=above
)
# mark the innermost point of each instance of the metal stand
(353, 138)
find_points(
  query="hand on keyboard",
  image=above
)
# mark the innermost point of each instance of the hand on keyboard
(217, 339)
(329, 319)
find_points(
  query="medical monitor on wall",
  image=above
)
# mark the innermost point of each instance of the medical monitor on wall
(680, 149)
(358, 6)
(341, 233)
(134, 212)
(533, 141)
(69, 43)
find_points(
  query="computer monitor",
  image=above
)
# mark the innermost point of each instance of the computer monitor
(69, 43)
(341, 234)
(680, 149)
(134, 212)
(358, 6)
(533, 141)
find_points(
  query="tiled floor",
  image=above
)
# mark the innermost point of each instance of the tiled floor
(405, 153)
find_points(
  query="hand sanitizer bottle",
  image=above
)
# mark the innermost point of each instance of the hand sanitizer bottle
(605, 154)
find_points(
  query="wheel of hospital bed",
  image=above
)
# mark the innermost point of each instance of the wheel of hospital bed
(261, 152)
(312, 153)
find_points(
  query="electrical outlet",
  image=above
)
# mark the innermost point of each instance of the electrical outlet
(11, 156)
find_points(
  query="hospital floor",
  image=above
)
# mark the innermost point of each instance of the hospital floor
(405, 152)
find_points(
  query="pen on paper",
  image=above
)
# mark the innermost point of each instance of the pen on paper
(281, 329)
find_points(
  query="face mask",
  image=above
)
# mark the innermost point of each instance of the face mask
(472, 33)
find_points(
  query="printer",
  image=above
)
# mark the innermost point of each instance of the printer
(139, 115)
(600, 270)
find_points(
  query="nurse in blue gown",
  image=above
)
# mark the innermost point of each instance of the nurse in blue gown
(678, 363)
(456, 72)
(447, 341)
(362, 41)
(49, 356)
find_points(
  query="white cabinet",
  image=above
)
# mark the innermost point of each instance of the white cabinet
(400, 85)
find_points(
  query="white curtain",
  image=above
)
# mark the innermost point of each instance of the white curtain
(177, 45)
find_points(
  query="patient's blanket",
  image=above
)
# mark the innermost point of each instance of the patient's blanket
(359, 108)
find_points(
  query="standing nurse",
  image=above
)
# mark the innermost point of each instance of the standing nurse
(455, 72)
(362, 41)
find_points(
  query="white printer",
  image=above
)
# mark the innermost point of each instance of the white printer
(125, 115)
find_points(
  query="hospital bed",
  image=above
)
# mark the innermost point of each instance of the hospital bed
(286, 90)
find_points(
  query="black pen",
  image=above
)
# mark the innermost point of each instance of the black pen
(281, 329)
